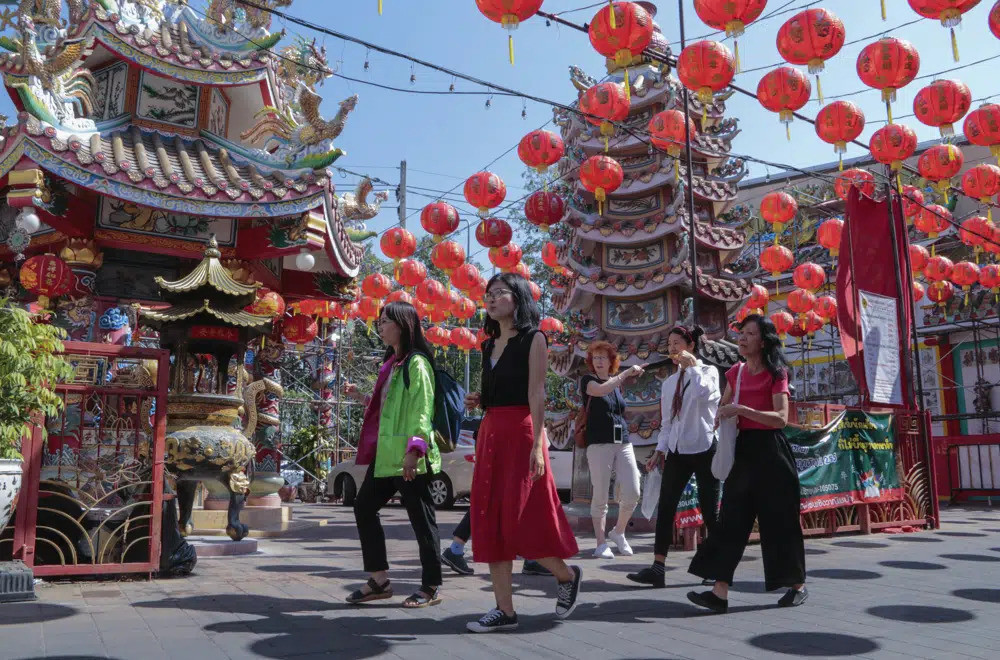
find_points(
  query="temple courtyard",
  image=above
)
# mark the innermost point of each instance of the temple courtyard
(908, 595)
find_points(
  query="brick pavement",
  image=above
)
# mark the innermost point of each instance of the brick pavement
(922, 595)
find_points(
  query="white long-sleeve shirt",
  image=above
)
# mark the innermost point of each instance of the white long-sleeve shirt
(692, 432)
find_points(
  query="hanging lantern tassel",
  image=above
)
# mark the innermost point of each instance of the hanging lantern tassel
(612, 23)
(628, 93)
(883, 10)
(736, 54)
(819, 90)
(788, 131)
(954, 45)
(510, 48)
(888, 110)
(380, 7)
(677, 168)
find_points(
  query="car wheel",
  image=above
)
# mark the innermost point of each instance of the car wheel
(441, 493)
(349, 489)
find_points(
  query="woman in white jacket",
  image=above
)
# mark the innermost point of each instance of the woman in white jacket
(689, 401)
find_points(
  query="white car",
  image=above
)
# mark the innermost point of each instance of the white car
(455, 479)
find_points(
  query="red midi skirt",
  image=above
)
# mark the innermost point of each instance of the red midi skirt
(511, 515)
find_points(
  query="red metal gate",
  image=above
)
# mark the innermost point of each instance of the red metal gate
(91, 497)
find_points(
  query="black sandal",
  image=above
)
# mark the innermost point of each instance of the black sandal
(378, 592)
(423, 598)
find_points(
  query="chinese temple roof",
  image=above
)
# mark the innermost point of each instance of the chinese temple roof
(211, 273)
(183, 311)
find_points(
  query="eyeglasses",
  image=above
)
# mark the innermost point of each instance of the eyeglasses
(382, 321)
(496, 293)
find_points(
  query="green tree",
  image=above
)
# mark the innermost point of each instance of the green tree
(30, 367)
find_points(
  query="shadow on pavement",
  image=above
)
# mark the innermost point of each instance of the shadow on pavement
(813, 644)
(844, 574)
(981, 595)
(970, 557)
(913, 565)
(920, 614)
(18, 613)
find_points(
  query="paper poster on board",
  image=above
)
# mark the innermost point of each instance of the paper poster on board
(880, 337)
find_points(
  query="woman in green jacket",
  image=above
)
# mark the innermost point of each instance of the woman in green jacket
(398, 433)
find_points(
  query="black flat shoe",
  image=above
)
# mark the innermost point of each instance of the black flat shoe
(794, 598)
(648, 576)
(456, 562)
(709, 601)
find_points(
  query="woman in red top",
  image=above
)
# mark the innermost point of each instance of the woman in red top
(763, 483)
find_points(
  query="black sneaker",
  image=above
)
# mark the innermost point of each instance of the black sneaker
(532, 567)
(709, 600)
(567, 593)
(493, 621)
(456, 562)
(649, 576)
(794, 598)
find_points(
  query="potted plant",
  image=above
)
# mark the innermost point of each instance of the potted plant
(30, 366)
(309, 449)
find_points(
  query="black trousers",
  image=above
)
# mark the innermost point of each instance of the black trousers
(374, 494)
(464, 528)
(677, 471)
(763, 485)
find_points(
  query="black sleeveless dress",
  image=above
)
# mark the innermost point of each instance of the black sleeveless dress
(511, 515)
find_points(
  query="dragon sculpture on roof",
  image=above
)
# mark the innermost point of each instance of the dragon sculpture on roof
(227, 12)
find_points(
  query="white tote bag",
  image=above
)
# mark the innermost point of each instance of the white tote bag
(725, 452)
(651, 492)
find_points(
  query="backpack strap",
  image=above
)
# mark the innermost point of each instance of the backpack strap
(406, 366)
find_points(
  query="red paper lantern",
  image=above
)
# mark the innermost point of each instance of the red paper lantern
(913, 201)
(432, 293)
(933, 219)
(397, 243)
(267, 303)
(464, 309)
(536, 291)
(422, 311)
(784, 91)
(603, 104)
(811, 37)
(941, 104)
(982, 127)
(829, 234)
(839, 123)
(509, 14)
(376, 286)
(783, 322)
(299, 330)
(965, 274)
(989, 277)
(551, 326)
(949, 12)
(919, 256)
(994, 20)
(448, 256)
(439, 219)
(540, 149)
(706, 67)
(741, 314)
(550, 255)
(730, 15)
(892, 144)
(940, 292)
(826, 308)
(369, 309)
(776, 259)
(621, 31)
(918, 291)
(478, 292)
(938, 269)
(812, 323)
(982, 182)
(975, 232)
(465, 277)
(601, 175)
(47, 276)
(399, 296)
(809, 276)
(521, 269)
(992, 244)
(410, 273)
(888, 64)
(484, 191)
(801, 301)
(505, 257)
(863, 180)
(759, 297)
(544, 209)
(666, 131)
(481, 338)
(778, 208)
(939, 164)
(493, 232)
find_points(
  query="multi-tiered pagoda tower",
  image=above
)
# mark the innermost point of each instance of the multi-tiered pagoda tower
(631, 265)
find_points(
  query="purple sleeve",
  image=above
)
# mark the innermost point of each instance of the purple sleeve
(418, 443)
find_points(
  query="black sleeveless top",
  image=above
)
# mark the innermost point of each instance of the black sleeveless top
(506, 384)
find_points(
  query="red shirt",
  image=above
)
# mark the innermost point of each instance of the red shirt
(756, 391)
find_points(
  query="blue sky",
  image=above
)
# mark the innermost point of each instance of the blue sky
(445, 138)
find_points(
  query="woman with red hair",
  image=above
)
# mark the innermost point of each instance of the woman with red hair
(608, 446)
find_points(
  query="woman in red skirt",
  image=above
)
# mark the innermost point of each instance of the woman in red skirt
(515, 507)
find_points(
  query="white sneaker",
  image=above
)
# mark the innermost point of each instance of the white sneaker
(623, 547)
(603, 551)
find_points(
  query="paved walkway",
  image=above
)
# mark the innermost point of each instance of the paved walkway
(921, 595)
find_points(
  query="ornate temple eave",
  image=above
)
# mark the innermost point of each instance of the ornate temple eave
(705, 188)
(623, 231)
(211, 273)
(721, 289)
(344, 254)
(616, 285)
(239, 317)
(137, 166)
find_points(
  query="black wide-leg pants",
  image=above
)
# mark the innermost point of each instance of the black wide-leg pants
(763, 485)
(677, 471)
